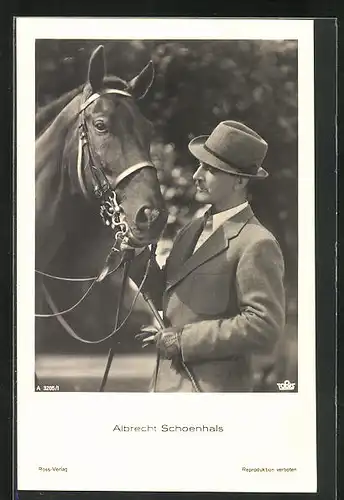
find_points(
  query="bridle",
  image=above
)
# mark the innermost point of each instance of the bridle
(110, 210)
(110, 213)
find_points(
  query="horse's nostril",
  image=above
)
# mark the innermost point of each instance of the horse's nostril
(146, 216)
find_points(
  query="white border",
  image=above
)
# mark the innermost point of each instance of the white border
(261, 430)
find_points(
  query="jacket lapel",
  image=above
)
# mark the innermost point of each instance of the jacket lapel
(215, 244)
(186, 243)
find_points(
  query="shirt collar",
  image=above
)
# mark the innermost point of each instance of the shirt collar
(221, 217)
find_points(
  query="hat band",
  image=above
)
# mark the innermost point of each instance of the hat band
(251, 169)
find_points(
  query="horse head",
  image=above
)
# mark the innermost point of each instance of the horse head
(105, 152)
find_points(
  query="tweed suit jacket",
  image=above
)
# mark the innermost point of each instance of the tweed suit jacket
(227, 300)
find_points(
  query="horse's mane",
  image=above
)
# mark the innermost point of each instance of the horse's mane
(46, 114)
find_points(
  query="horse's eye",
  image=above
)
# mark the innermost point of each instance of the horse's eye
(100, 126)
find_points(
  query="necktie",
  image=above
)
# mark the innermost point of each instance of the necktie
(207, 231)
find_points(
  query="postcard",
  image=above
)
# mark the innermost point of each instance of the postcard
(165, 255)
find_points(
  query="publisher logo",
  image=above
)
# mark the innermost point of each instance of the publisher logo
(286, 385)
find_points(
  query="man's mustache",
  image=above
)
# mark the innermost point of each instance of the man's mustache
(201, 186)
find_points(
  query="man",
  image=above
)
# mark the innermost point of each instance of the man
(222, 286)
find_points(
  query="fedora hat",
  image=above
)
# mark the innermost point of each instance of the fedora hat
(233, 148)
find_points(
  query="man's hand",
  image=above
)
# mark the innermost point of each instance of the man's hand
(148, 335)
(166, 340)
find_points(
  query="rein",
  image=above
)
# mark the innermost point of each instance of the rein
(70, 330)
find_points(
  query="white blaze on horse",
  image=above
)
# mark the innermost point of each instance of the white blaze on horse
(93, 160)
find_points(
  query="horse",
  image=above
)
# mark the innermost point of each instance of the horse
(95, 186)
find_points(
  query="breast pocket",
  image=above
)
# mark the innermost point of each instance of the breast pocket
(209, 293)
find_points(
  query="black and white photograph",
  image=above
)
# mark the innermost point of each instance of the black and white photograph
(166, 248)
(166, 226)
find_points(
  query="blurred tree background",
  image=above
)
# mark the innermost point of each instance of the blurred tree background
(198, 84)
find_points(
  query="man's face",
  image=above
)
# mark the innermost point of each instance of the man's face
(214, 186)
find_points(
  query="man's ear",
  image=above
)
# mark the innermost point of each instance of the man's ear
(241, 182)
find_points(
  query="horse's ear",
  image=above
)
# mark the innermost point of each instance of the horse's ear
(96, 68)
(141, 83)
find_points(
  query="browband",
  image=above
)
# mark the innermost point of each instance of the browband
(95, 96)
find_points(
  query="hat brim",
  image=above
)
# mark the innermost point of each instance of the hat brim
(196, 148)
